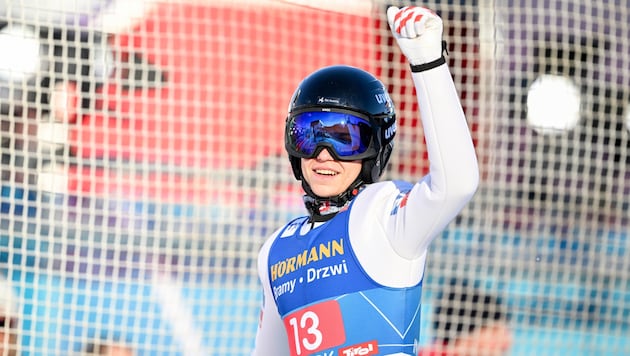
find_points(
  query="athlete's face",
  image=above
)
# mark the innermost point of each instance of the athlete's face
(328, 177)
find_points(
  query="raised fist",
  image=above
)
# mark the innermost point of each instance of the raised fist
(418, 32)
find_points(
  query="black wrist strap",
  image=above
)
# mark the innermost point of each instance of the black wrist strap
(436, 63)
(426, 66)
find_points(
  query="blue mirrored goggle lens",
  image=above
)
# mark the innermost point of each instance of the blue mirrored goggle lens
(346, 134)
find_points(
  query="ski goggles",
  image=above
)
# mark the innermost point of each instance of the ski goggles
(348, 136)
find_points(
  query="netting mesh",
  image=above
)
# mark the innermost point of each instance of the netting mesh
(143, 166)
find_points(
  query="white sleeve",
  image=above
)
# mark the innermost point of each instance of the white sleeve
(453, 170)
(399, 229)
(271, 337)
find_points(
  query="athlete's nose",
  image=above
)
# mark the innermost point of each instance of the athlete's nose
(324, 155)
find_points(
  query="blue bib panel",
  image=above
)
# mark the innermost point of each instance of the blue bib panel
(329, 305)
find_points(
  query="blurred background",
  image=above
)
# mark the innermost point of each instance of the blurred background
(143, 164)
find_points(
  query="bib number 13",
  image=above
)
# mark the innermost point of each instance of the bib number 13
(315, 328)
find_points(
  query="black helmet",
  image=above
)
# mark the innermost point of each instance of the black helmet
(352, 91)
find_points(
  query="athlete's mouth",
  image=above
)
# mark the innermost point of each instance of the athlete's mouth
(326, 172)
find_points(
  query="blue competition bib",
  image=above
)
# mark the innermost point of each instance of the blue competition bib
(329, 305)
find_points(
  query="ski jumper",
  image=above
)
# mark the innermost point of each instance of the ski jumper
(352, 285)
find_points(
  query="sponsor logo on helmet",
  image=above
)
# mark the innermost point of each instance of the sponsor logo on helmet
(382, 98)
(390, 131)
(324, 100)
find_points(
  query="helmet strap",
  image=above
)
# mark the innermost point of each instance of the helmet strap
(323, 209)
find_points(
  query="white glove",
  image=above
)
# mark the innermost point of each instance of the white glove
(418, 32)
